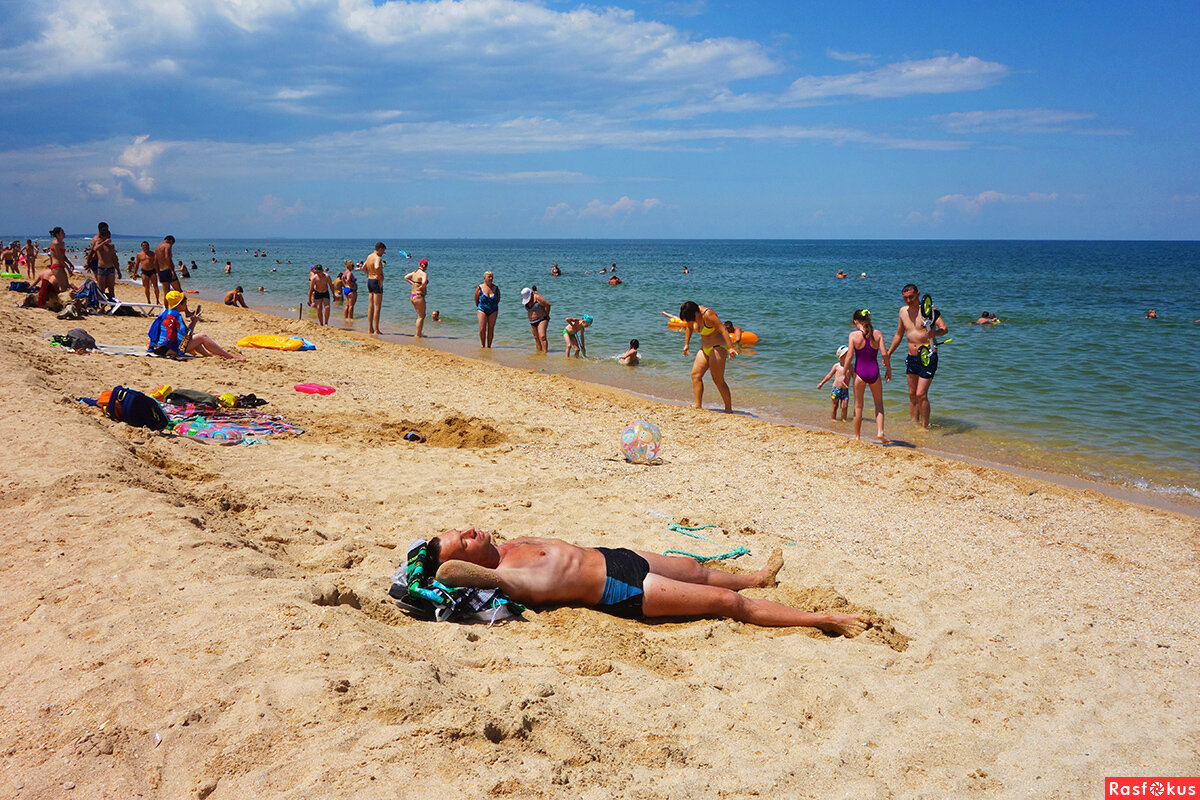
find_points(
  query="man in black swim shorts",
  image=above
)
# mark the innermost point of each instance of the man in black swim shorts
(627, 583)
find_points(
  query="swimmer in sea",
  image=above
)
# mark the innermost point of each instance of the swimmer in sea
(1152, 314)
(715, 348)
(864, 346)
(419, 281)
(630, 357)
(555, 271)
(735, 333)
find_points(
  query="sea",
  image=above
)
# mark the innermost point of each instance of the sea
(1074, 381)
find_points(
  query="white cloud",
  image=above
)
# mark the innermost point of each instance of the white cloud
(942, 75)
(971, 204)
(273, 208)
(598, 209)
(841, 55)
(1013, 120)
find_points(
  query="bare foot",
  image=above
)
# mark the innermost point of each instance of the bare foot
(770, 570)
(848, 625)
(883, 439)
(464, 573)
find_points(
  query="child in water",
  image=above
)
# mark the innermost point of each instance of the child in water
(840, 394)
(630, 357)
(573, 334)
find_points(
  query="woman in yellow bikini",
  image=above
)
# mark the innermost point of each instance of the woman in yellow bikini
(715, 349)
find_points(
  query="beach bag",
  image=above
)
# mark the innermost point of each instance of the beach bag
(181, 397)
(79, 339)
(134, 408)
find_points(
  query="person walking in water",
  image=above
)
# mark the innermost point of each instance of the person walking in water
(865, 345)
(487, 308)
(419, 279)
(921, 333)
(538, 309)
(715, 349)
(373, 266)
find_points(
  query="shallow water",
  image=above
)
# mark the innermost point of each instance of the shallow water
(1074, 381)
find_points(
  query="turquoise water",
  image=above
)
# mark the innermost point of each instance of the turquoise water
(1074, 381)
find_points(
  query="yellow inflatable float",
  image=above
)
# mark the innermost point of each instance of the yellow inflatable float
(675, 323)
(270, 342)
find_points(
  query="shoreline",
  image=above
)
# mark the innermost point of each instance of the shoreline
(1160, 500)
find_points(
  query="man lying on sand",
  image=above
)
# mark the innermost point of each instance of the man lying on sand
(626, 583)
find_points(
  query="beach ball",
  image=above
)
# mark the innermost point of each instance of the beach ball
(641, 442)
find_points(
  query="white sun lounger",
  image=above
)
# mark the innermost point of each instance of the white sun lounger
(115, 304)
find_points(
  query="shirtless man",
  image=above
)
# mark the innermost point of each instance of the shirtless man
(373, 266)
(145, 266)
(319, 287)
(919, 332)
(108, 266)
(164, 263)
(9, 255)
(625, 583)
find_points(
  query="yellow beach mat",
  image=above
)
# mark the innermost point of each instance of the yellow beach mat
(270, 342)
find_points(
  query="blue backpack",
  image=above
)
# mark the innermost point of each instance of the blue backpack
(134, 408)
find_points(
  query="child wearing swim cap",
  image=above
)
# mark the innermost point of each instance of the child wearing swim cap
(840, 393)
(573, 334)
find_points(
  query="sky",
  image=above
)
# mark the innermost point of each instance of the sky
(659, 119)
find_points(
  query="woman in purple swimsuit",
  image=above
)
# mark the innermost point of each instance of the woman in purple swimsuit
(865, 345)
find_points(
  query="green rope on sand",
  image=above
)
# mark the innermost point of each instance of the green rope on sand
(735, 553)
(688, 530)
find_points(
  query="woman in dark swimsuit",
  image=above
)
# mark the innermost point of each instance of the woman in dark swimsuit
(487, 308)
(866, 344)
(349, 288)
(538, 308)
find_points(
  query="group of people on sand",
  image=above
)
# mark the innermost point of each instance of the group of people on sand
(858, 363)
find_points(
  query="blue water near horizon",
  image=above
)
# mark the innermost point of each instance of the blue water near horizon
(1075, 381)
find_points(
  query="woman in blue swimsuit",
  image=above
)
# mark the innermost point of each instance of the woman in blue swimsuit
(487, 308)
(349, 288)
(865, 345)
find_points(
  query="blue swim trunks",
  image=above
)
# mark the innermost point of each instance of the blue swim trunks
(913, 366)
(840, 395)
(625, 571)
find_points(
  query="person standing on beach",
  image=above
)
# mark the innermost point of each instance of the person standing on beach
(164, 264)
(349, 288)
(30, 257)
(319, 287)
(60, 265)
(487, 308)
(921, 332)
(864, 346)
(715, 348)
(145, 267)
(373, 266)
(419, 280)
(108, 266)
(538, 309)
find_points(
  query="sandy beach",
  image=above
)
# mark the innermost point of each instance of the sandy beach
(187, 620)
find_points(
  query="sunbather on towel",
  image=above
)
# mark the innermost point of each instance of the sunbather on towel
(627, 583)
(170, 330)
